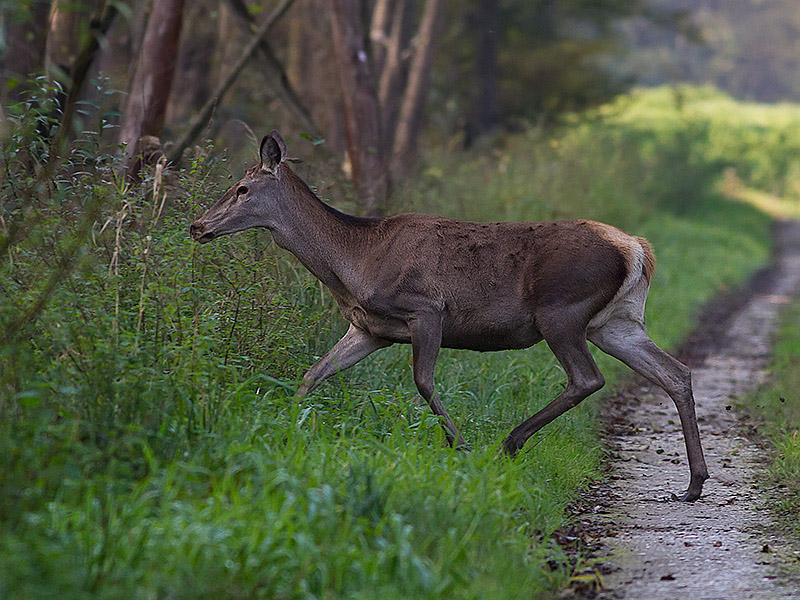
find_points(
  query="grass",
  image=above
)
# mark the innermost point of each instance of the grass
(776, 406)
(149, 447)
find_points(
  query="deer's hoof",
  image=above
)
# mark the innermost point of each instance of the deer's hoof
(511, 446)
(695, 488)
(687, 496)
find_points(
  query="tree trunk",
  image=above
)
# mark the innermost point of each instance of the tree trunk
(379, 29)
(149, 90)
(395, 68)
(404, 150)
(227, 44)
(192, 74)
(273, 68)
(137, 26)
(311, 70)
(224, 85)
(360, 103)
(295, 47)
(97, 28)
(61, 47)
(485, 111)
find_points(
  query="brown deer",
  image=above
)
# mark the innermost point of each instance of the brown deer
(440, 283)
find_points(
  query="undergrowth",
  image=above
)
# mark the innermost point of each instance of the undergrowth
(149, 446)
(776, 406)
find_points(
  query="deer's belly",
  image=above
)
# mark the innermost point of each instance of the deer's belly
(482, 330)
(490, 330)
(379, 326)
(495, 338)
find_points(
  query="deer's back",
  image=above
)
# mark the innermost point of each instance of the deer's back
(491, 282)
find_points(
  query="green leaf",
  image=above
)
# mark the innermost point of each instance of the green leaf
(28, 398)
(312, 139)
(282, 384)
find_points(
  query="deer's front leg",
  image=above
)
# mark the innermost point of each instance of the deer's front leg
(354, 345)
(426, 339)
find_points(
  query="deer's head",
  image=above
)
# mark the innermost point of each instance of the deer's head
(252, 202)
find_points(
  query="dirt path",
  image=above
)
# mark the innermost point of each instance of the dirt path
(724, 546)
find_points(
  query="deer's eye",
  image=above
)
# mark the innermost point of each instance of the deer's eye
(241, 190)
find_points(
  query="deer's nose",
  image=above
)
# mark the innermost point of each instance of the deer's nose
(196, 229)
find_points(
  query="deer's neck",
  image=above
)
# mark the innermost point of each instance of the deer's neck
(327, 242)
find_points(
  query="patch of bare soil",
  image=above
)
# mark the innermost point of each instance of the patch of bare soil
(725, 545)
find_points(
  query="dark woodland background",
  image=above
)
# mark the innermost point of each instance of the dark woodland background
(370, 83)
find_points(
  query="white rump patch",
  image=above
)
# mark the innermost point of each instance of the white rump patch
(630, 299)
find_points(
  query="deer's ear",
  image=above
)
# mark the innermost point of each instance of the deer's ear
(273, 151)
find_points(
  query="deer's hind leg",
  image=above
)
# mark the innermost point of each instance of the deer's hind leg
(568, 343)
(627, 340)
(355, 345)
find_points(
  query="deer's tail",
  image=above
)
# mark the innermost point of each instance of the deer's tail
(649, 263)
(640, 265)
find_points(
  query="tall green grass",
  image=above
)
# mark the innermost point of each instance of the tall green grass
(776, 408)
(149, 446)
(759, 142)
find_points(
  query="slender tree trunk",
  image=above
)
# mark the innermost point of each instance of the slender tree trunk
(273, 68)
(61, 47)
(312, 71)
(404, 150)
(395, 68)
(295, 47)
(379, 29)
(192, 74)
(224, 85)
(98, 27)
(227, 44)
(361, 109)
(485, 112)
(149, 90)
(137, 26)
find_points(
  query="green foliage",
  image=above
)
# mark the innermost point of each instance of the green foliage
(760, 143)
(777, 408)
(149, 446)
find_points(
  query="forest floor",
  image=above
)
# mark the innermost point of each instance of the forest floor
(726, 545)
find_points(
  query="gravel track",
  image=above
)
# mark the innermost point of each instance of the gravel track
(725, 545)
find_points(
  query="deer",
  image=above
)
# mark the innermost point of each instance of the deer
(435, 283)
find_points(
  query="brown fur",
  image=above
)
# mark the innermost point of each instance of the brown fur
(435, 282)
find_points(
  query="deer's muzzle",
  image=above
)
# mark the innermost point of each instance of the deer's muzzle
(199, 234)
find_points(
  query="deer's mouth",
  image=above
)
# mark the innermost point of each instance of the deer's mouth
(199, 234)
(206, 237)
